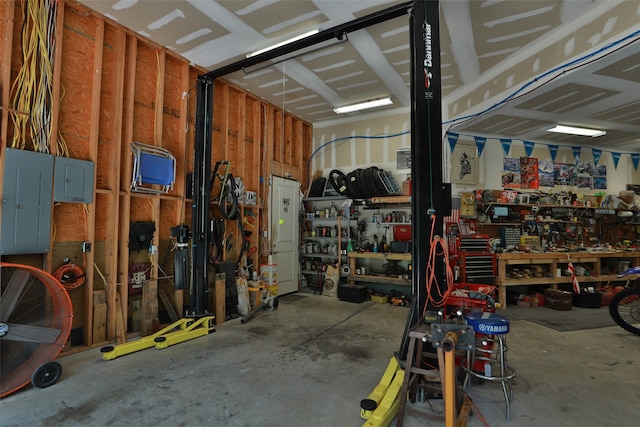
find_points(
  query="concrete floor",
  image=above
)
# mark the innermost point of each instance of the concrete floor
(310, 362)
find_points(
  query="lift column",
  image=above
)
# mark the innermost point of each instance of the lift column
(430, 195)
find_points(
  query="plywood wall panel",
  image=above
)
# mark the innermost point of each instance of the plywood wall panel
(69, 222)
(77, 82)
(144, 120)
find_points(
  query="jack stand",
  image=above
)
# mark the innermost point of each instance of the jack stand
(187, 329)
(446, 338)
(449, 338)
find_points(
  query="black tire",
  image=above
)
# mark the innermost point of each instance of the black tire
(378, 184)
(229, 210)
(353, 185)
(369, 181)
(625, 309)
(46, 374)
(361, 183)
(338, 181)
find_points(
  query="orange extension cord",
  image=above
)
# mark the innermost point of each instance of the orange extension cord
(438, 298)
(71, 276)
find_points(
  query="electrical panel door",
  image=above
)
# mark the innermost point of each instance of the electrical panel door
(26, 202)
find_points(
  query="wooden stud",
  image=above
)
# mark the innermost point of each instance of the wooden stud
(99, 323)
(220, 298)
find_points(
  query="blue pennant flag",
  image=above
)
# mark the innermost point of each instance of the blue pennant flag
(576, 152)
(553, 150)
(635, 157)
(596, 155)
(480, 141)
(506, 145)
(528, 147)
(453, 138)
(616, 158)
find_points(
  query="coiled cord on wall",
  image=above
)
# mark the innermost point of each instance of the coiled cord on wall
(71, 276)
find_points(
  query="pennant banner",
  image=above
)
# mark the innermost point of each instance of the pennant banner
(506, 146)
(553, 150)
(576, 152)
(596, 155)
(480, 141)
(616, 159)
(453, 138)
(528, 147)
(635, 157)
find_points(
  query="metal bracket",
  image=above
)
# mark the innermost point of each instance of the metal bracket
(466, 335)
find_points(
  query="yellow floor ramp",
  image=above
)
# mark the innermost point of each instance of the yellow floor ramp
(381, 406)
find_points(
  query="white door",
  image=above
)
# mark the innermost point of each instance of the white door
(285, 236)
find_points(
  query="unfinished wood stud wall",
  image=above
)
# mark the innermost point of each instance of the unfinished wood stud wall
(113, 87)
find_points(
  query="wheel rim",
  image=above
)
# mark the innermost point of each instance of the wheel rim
(46, 374)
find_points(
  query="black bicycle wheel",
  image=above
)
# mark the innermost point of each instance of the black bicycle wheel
(338, 181)
(625, 309)
(228, 202)
(46, 374)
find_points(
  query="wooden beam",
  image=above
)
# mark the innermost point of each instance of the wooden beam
(220, 298)
(112, 250)
(99, 323)
(173, 315)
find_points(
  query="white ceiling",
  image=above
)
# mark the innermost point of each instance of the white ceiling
(478, 39)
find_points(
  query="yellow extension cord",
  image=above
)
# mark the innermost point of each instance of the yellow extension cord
(32, 89)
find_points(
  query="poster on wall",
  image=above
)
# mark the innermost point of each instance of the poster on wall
(600, 177)
(403, 159)
(584, 170)
(565, 174)
(511, 173)
(464, 164)
(529, 172)
(545, 173)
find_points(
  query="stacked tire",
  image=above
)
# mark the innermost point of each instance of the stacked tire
(364, 183)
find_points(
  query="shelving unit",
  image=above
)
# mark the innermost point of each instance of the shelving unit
(377, 256)
(381, 215)
(322, 237)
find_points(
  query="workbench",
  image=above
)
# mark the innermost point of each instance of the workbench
(549, 268)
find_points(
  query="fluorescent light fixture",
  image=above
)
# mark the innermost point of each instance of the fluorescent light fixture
(364, 105)
(293, 55)
(577, 131)
(282, 43)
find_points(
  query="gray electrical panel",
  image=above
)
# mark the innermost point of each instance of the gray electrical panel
(26, 202)
(73, 180)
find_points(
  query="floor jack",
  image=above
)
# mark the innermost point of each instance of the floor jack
(183, 330)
